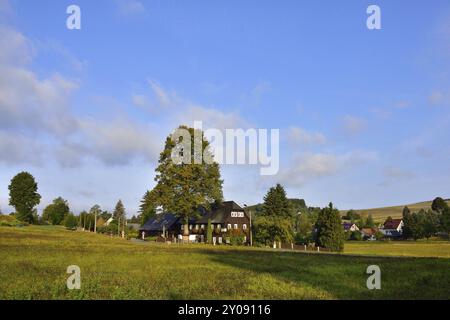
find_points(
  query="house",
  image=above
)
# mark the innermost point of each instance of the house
(227, 218)
(393, 228)
(108, 222)
(350, 227)
(369, 233)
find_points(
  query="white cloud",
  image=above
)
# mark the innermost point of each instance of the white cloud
(5, 7)
(39, 109)
(299, 136)
(16, 49)
(353, 125)
(129, 7)
(439, 98)
(310, 166)
(16, 149)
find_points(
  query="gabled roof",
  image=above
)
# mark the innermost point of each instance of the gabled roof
(392, 224)
(347, 225)
(160, 222)
(219, 212)
(368, 231)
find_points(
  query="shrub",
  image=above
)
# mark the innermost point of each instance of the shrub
(71, 222)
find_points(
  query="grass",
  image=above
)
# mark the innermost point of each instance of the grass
(400, 248)
(34, 262)
(381, 214)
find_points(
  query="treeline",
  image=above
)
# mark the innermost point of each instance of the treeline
(280, 219)
(427, 223)
(24, 197)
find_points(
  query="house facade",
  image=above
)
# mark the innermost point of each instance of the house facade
(228, 220)
(393, 228)
(350, 227)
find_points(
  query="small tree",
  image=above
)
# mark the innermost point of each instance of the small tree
(23, 196)
(330, 233)
(439, 205)
(304, 229)
(56, 212)
(369, 222)
(276, 203)
(444, 221)
(430, 224)
(70, 221)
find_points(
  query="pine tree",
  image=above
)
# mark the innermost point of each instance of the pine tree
(276, 203)
(276, 221)
(184, 187)
(330, 233)
(119, 211)
(23, 196)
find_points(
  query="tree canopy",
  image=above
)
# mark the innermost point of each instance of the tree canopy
(330, 233)
(56, 212)
(23, 196)
(184, 187)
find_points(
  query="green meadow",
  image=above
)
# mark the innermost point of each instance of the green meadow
(33, 263)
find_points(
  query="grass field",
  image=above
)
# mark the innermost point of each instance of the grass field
(34, 261)
(400, 248)
(380, 214)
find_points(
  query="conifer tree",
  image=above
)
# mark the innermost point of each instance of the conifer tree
(330, 233)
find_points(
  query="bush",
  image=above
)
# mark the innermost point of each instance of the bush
(301, 239)
(71, 222)
(355, 236)
(10, 221)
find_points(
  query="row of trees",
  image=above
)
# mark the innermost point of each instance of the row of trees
(24, 197)
(280, 220)
(427, 223)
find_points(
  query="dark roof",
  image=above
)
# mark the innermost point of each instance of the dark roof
(347, 225)
(219, 212)
(392, 224)
(369, 231)
(160, 222)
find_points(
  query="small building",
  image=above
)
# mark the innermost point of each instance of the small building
(162, 225)
(393, 228)
(108, 222)
(369, 233)
(350, 227)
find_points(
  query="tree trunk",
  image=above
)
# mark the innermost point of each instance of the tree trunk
(186, 230)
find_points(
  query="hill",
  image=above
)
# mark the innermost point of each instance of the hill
(380, 214)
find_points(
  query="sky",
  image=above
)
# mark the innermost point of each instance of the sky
(364, 115)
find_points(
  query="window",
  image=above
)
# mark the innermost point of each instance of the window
(190, 227)
(229, 226)
(236, 226)
(203, 226)
(196, 227)
(244, 227)
(219, 226)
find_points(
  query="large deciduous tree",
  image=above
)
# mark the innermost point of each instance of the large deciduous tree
(184, 186)
(23, 196)
(56, 212)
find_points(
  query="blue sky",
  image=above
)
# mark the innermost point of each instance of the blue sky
(364, 115)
